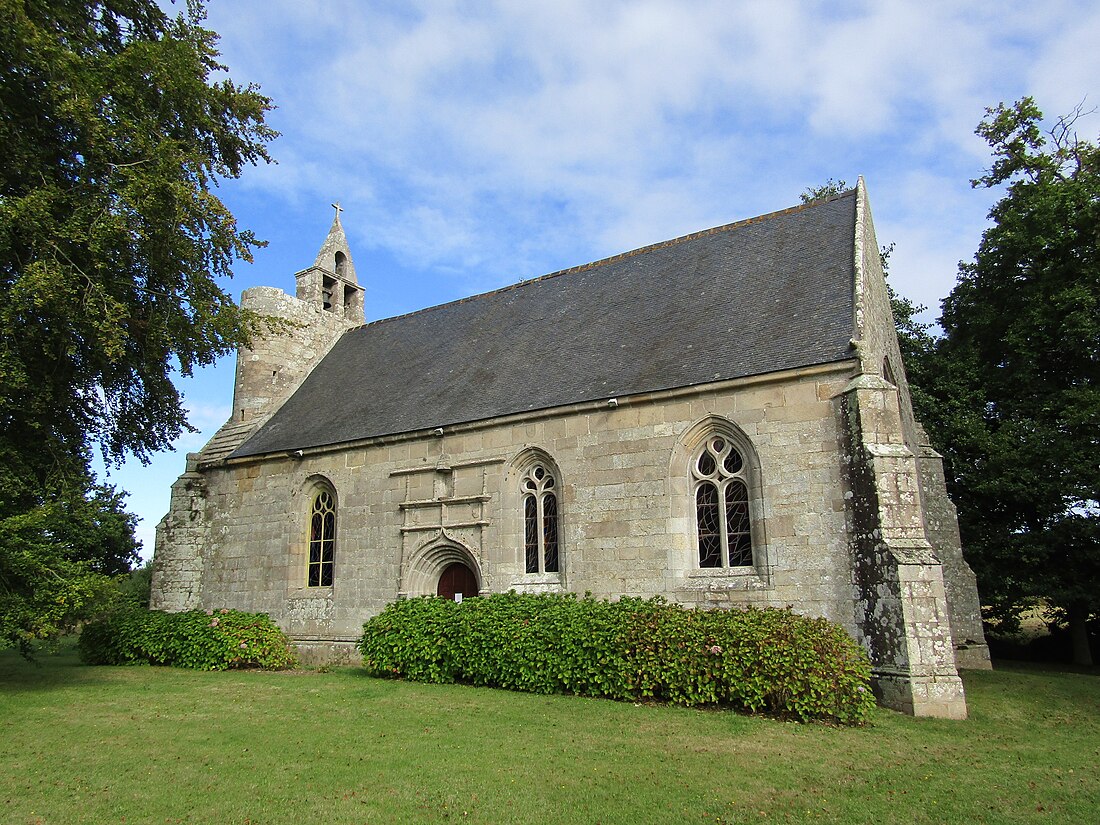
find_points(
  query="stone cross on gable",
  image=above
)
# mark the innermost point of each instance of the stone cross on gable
(338, 209)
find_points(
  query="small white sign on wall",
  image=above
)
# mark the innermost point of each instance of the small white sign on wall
(458, 598)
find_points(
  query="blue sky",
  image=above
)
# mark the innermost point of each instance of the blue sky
(473, 144)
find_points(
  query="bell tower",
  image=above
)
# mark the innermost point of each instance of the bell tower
(330, 283)
(328, 302)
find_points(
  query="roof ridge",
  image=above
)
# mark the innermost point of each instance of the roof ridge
(620, 256)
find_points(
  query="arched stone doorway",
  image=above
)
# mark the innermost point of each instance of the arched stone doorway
(424, 570)
(455, 580)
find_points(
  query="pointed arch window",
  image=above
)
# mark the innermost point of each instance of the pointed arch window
(721, 490)
(540, 520)
(322, 540)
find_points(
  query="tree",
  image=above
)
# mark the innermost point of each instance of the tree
(95, 528)
(829, 189)
(1019, 374)
(116, 131)
(58, 561)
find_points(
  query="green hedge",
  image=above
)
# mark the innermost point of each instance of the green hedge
(196, 639)
(766, 661)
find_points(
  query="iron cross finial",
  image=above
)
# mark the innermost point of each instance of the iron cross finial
(338, 209)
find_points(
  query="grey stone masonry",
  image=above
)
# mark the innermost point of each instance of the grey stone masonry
(617, 380)
(902, 612)
(329, 302)
(901, 606)
(330, 283)
(180, 540)
(270, 372)
(267, 374)
(941, 525)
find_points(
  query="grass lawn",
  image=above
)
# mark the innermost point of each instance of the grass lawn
(158, 745)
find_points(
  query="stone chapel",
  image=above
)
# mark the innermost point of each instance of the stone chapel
(721, 419)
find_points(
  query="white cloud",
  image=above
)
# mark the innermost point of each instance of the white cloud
(450, 127)
(491, 140)
(206, 426)
(934, 224)
(1068, 66)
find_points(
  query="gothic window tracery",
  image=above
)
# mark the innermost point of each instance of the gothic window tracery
(540, 520)
(322, 540)
(721, 493)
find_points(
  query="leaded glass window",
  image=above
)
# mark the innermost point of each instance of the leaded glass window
(721, 505)
(540, 520)
(322, 540)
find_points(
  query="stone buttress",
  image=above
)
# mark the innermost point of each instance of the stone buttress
(419, 431)
(903, 614)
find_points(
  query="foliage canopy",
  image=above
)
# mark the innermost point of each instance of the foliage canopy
(116, 127)
(1016, 375)
(111, 241)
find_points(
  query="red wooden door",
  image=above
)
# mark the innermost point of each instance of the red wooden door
(457, 578)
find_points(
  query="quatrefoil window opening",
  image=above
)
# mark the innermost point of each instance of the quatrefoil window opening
(540, 520)
(722, 505)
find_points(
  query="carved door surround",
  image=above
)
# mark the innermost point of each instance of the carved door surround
(444, 517)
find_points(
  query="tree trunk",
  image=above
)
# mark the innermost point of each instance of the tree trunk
(1079, 634)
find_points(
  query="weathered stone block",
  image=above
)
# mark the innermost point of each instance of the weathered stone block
(844, 510)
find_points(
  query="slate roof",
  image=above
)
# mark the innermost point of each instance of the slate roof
(766, 294)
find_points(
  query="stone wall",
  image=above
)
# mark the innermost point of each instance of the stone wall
(181, 538)
(838, 528)
(901, 608)
(877, 347)
(849, 518)
(900, 602)
(942, 528)
(269, 372)
(409, 505)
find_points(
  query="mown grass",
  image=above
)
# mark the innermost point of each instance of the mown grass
(140, 744)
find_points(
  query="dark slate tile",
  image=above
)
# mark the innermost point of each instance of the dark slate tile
(762, 295)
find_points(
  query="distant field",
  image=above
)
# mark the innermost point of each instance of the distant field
(156, 745)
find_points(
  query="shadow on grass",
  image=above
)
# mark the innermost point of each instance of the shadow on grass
(1026, 665)
(1033, 692)
(47, 669)
(61, 668)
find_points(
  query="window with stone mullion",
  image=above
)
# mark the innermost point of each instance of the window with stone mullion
(710, 528)
(531, 533)
(550, 533)
(322, 541)
(540, 521)
(723, 529)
